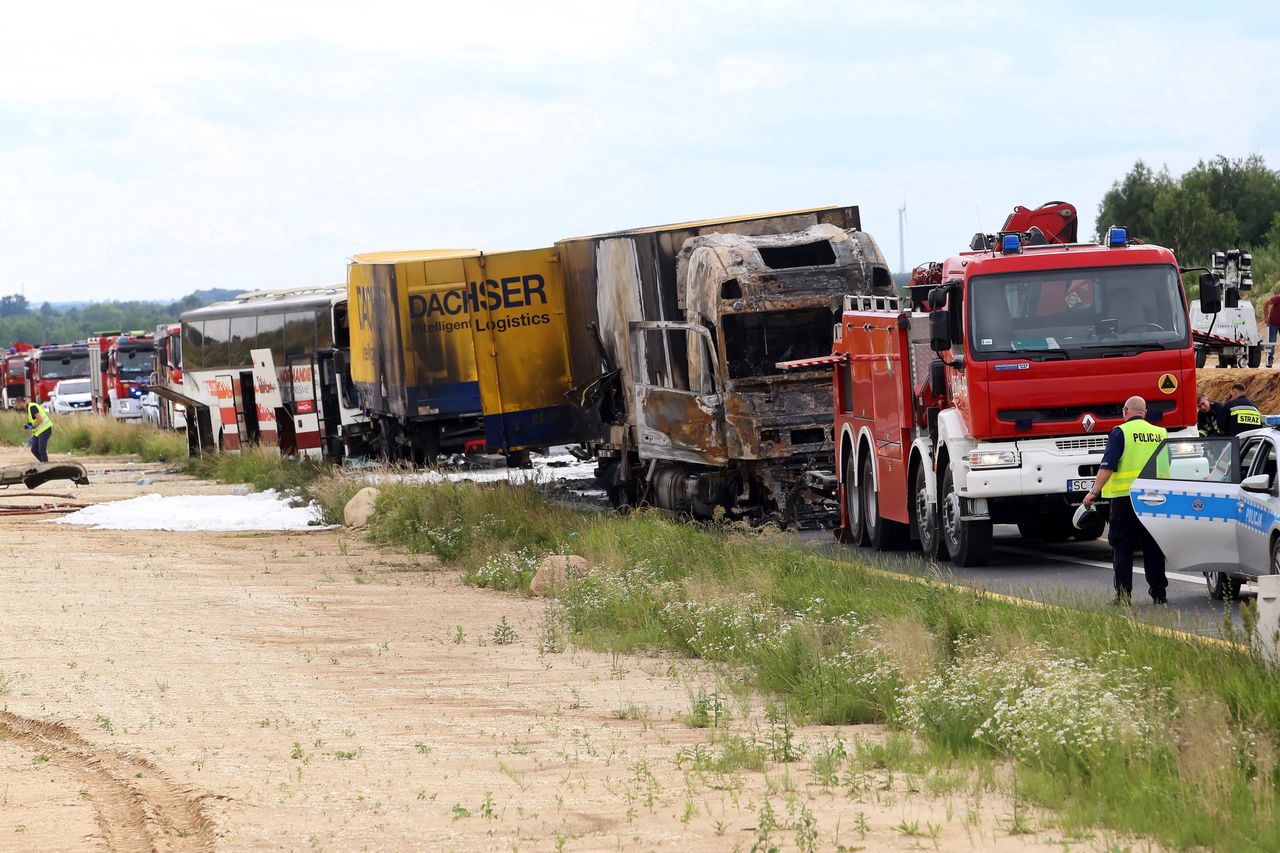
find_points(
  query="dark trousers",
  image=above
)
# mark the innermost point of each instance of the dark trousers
(40, 445)
(1271, 339)
(1126, 534)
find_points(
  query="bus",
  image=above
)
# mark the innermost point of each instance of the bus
(269, 368)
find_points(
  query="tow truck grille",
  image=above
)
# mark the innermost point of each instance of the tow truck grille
(1082, 445)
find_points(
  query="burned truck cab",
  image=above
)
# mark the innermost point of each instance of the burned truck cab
(773, 298)
(689, 322)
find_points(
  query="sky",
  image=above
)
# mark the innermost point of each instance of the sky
(151, 149)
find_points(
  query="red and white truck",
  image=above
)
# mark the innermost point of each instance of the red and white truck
(987, 397)
(51, 363)
(14, 368)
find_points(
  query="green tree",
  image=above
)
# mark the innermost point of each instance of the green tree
(1131, 201)
(1246, 188)
(1186, 222)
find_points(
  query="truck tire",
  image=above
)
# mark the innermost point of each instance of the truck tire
(853, 504)
(967, 541)
(1255, 355)
(925, 517)
(1201, 356)
(1225, 360)
(883, 534)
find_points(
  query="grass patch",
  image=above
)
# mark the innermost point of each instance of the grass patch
(1105, 721)
(263, 467)
(100, 436)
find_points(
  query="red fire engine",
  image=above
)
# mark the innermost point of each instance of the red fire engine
(51, 363)
(15, 372)
(130, 361)
(988, 399)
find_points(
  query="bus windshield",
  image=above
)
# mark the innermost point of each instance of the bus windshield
(1077, 313)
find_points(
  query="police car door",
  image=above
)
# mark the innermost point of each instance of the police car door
(1188, 497)
(1258, 509)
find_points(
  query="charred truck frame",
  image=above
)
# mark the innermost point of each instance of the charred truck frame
(680, 328)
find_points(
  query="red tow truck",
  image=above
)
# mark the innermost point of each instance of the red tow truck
(986, 398)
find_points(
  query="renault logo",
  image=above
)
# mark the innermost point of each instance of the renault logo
(1088, 422)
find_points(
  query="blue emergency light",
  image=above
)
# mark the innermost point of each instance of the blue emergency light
(1011, 244)
(1117, 238)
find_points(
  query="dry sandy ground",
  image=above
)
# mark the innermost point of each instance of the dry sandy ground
(184, 691)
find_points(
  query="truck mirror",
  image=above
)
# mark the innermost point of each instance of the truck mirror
(1210, 294)
(938, 378)
(940, 330)
(1232, 297)
(938, 298)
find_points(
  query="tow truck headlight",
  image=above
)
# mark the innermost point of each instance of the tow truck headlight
(994, 459)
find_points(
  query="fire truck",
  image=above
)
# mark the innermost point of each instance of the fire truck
(986, 398)
(15, 372)
(49, 364)
(128, 361)
(158, 408)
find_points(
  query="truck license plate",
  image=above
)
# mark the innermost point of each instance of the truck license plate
(1081, 485)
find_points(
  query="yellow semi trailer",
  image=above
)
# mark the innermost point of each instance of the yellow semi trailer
(458, 349)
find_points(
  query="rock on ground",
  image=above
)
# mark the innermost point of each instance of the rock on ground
(359, 509)
(555, 571)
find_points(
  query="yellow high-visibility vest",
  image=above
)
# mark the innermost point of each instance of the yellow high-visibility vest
(1140, 440)
(32, 410)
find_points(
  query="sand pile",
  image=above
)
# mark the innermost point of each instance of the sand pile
(1262, 385)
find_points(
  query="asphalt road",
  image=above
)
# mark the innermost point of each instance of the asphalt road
(1069, 572)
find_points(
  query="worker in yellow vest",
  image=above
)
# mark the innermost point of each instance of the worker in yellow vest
(1129, 446)
(40, 425)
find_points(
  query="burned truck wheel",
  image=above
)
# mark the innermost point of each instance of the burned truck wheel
(926, 518)
(853, 504)
(883, 534)
(967, 541)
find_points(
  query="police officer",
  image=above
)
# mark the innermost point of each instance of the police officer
(40, 425)
(1129, 446)
(1239, 414)
(1208, 415)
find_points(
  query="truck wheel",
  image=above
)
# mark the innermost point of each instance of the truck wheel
(1221, 585)
(925, 516)
(967, 541)
(1225, 360)
(883, 534)
(1201, 355)
(1255, 355)
(853, 505)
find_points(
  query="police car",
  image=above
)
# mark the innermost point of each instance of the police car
(1213, 505)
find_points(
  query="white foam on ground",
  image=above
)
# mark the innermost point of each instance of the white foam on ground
(255, 511)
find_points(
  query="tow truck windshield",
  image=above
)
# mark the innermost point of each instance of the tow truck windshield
(1078, 313)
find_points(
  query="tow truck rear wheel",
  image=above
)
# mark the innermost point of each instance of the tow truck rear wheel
(967, 541)
(853, 504)
(1221, 585)
(883, 534)
(1201, 356)
(925, 518)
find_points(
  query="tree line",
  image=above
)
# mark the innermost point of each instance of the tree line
(1218, 204)
(19, 321)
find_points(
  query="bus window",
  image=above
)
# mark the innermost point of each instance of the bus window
(217, 334)
(271, 336)
(244, 331)
(300, 333)
(193, 333)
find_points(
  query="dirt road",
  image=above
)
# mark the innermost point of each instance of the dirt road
(198, 691)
